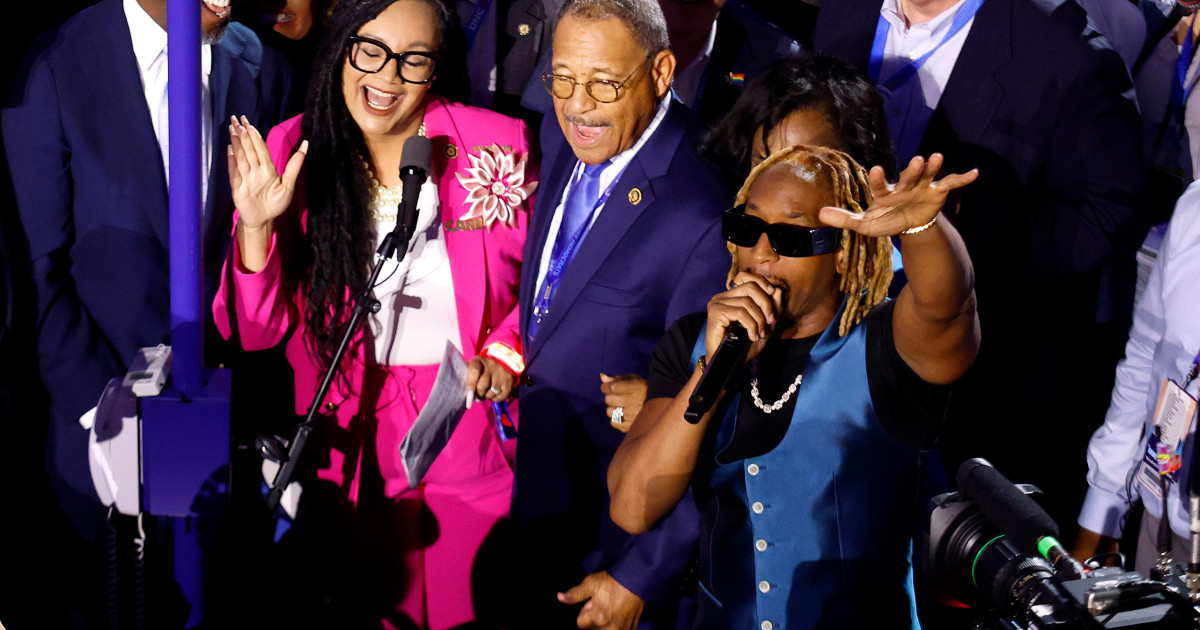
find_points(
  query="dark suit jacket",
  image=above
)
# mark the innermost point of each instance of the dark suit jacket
(745, 45)
(525, 32)
(90, 250)
(643, 265)
(1040, 113)
(1042, 116)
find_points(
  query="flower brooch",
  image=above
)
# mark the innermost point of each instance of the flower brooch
(495, 185)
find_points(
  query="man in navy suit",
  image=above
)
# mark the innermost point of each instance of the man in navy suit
(1012, 88)
(85, 137)
(625, 238)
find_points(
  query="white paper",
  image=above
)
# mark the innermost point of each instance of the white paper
(435, 423)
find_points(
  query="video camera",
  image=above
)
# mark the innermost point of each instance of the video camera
(992, 547)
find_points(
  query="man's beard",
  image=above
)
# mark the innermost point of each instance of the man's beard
(216, 35)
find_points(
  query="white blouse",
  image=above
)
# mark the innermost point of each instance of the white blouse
(418, 313)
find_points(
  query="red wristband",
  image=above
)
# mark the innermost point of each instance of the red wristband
(507, 357)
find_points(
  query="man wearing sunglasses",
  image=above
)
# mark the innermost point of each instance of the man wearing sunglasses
(624, 239)
(807, 469)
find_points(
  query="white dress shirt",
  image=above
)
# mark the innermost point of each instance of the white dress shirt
(607, 176)
(1163, 342)
(150, 49)
(910, 106)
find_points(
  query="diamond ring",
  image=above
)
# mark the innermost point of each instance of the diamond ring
(618, 416)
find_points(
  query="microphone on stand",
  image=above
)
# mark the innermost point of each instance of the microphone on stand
(414, 169)
(726, 359)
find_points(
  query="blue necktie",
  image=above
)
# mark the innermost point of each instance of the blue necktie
(579, 207)
(577, 212)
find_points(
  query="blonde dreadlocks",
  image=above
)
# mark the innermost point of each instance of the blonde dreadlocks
(866, 266)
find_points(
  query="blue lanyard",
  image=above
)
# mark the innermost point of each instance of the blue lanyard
(504, 423)
(559, 264)
(1192, 371)
(874, 66)
(472, 26)
(1180, 89)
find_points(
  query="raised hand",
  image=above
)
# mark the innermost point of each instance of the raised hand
(914, 201)
(260, 193)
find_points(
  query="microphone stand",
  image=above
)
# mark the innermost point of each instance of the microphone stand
(1163, 565)
(271, 447)
(1192, 576)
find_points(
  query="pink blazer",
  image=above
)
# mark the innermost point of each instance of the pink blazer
(485, 262)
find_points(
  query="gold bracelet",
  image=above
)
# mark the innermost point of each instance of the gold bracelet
(702, 363)
(921, 228)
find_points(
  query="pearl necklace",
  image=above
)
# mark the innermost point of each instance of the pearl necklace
(383, 197)
(777, 405)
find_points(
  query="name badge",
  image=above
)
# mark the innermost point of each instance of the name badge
(1164, 449)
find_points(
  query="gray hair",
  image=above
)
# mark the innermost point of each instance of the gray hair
(644, 18)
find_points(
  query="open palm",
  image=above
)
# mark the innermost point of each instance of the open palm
(914, 201)
(260, 193)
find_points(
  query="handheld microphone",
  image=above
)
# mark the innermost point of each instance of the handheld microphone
(726, 359)
(414, 169)
(1020, 517)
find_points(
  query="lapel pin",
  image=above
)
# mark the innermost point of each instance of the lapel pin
(523, 29)
(451, 151)
(635, 196)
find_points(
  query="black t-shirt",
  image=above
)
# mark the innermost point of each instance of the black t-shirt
(910, 409)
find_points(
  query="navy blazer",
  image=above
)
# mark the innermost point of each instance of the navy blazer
(654, 254)
(90, 252)
(745, 45)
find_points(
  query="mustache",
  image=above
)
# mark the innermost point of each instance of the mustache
(583, 122)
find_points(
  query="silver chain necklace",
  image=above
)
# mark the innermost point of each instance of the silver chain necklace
(777, 405)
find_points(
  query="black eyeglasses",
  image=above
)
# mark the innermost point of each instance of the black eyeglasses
(370, 56)
(786, 239)
(601, 90)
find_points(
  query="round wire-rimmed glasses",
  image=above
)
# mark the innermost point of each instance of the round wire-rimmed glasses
(601, 90)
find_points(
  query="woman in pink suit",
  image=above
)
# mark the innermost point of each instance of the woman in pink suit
(314, 200)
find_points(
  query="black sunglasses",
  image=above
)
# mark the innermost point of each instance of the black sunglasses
(786, 239)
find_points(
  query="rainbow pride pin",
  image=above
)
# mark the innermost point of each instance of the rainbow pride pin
(737, 78)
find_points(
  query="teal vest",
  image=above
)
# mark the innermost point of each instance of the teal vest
(816, 533)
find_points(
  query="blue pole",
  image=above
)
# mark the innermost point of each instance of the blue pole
(187, 327)
(183, 92)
